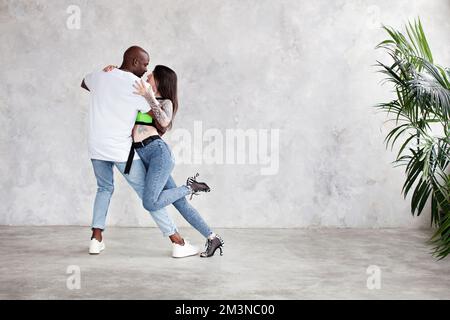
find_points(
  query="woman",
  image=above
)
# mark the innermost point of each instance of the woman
(160, 188)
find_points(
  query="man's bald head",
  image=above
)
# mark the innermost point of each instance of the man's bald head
(135, 60)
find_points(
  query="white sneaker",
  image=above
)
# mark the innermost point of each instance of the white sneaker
(179, 251)
(96, 247)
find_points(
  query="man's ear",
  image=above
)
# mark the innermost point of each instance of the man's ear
(135, 62)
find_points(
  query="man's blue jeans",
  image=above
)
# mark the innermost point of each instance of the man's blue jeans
(136, 178)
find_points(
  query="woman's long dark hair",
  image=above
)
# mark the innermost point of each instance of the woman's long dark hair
(166, 81)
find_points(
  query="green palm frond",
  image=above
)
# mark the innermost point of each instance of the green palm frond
(432, 88)
(422, 100)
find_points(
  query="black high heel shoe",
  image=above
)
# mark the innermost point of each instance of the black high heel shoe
(211, 247)
(196, 186)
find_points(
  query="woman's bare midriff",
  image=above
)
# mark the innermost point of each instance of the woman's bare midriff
(140, 132)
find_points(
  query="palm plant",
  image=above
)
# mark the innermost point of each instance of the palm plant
(421, 110)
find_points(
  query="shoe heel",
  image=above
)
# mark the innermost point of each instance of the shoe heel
(192, 194)
(220, 249)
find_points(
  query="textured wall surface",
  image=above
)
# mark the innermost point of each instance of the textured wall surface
(300, 71)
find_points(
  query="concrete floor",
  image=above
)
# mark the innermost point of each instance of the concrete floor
(257, 264)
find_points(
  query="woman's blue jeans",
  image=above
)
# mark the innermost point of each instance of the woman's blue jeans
(161, 190)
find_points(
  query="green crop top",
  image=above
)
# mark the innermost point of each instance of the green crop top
(145, 119)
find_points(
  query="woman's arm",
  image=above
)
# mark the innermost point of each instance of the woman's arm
(161, 111)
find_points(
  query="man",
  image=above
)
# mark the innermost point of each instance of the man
(112, 114)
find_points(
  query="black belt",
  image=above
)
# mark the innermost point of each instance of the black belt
(137, 145)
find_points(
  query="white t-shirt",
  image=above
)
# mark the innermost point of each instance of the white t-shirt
(113, 111)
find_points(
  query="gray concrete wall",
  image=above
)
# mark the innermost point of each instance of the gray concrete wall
(300, 70)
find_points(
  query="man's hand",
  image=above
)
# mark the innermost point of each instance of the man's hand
(109, 68)
(83, 85)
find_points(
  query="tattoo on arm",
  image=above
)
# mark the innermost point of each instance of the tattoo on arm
(162, 112)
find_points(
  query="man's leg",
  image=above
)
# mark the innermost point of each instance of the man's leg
(103, 171)
(136, 179)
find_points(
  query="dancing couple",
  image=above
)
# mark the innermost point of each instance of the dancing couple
(127, 119)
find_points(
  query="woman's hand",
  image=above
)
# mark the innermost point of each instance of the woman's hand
(143, 90)
(109, 68)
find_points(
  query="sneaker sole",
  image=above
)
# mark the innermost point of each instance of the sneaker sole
(190, 255)
(96, 253)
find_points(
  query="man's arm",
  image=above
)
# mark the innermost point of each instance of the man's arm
(83, 85)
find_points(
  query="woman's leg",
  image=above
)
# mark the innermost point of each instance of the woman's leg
(136, 179)
(159, 163)
(189, 213)
(213, 241)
